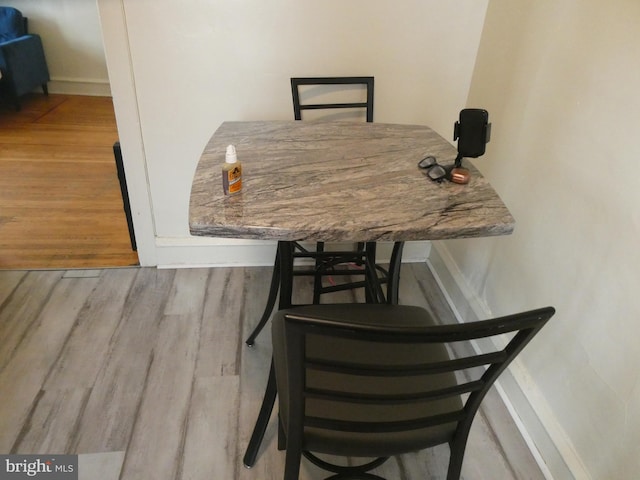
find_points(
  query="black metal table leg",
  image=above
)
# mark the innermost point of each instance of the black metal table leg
(285, 253)
(393, 283)
(371, 288)
(271, 301)
(317, 278)
(283, 271)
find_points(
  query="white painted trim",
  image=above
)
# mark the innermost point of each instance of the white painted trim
(217, 252)
(80, 86)
(195, 252)
(122, 79)
(546, 439)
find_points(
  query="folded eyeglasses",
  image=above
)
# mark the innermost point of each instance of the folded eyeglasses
(432, 169)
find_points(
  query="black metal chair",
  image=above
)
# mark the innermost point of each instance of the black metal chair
(332, 264)
(379, 380)
(328, 263)
(297, 95)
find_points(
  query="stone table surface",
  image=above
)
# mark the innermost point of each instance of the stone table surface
(339, 181)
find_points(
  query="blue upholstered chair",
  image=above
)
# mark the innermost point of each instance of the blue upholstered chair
(22, 62)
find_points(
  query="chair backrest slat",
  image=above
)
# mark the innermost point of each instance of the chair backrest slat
(405, 370)
(324, 106)
(385, 427)
(298, 106)
(393, 399)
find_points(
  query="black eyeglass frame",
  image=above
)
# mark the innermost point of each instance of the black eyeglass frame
(432, 169)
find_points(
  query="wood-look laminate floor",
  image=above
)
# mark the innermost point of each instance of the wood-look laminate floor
(144, 373)
(60, 200)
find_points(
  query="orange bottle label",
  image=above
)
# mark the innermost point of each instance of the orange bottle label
(234, 177)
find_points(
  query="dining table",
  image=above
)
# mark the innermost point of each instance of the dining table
(336, 181)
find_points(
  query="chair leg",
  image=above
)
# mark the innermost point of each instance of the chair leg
(455, 465)
(268, 401)
(45, 89)
(282, 437)
(271, 301)
(292, 461)
(317, 279)
(457, 446)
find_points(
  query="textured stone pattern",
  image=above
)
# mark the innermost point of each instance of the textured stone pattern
(339, 181)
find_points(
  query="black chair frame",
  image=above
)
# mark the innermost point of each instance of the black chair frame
(296, 82)
(300, 326)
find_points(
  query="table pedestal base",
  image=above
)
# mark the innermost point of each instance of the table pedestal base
(372, 284)
(283, 277)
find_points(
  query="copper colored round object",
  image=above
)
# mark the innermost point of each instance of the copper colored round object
(460, 175)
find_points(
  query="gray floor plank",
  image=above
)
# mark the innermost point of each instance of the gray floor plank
(100, 466)
(40, 346)
(82, 273)
(53, 422)
(22, 308)
(222, 323)
(88, 345)
(145, 374)
(211, 438)
(484, 459)
(160, 425)
(188, 292)
(107, 421)
(430, 464)
(9, 280)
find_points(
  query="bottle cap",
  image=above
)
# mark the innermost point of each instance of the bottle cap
(231, 157)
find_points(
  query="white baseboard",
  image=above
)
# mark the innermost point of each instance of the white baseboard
(547, 441)
(80, 86)
(196, 252)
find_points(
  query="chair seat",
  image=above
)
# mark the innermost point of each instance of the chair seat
(368, 444)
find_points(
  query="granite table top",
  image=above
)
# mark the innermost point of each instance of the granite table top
(339, 181)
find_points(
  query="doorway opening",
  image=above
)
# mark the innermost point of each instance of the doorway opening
(61, 203)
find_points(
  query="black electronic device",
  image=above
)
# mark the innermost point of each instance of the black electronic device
(473, 132)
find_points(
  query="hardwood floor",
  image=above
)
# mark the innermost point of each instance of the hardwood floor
(60, 200)
(144, 373)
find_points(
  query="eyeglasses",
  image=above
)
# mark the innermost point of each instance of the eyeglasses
(432, 169)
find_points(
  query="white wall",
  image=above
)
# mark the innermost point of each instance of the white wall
(195, 64)
(560, 79)
(72, 39)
